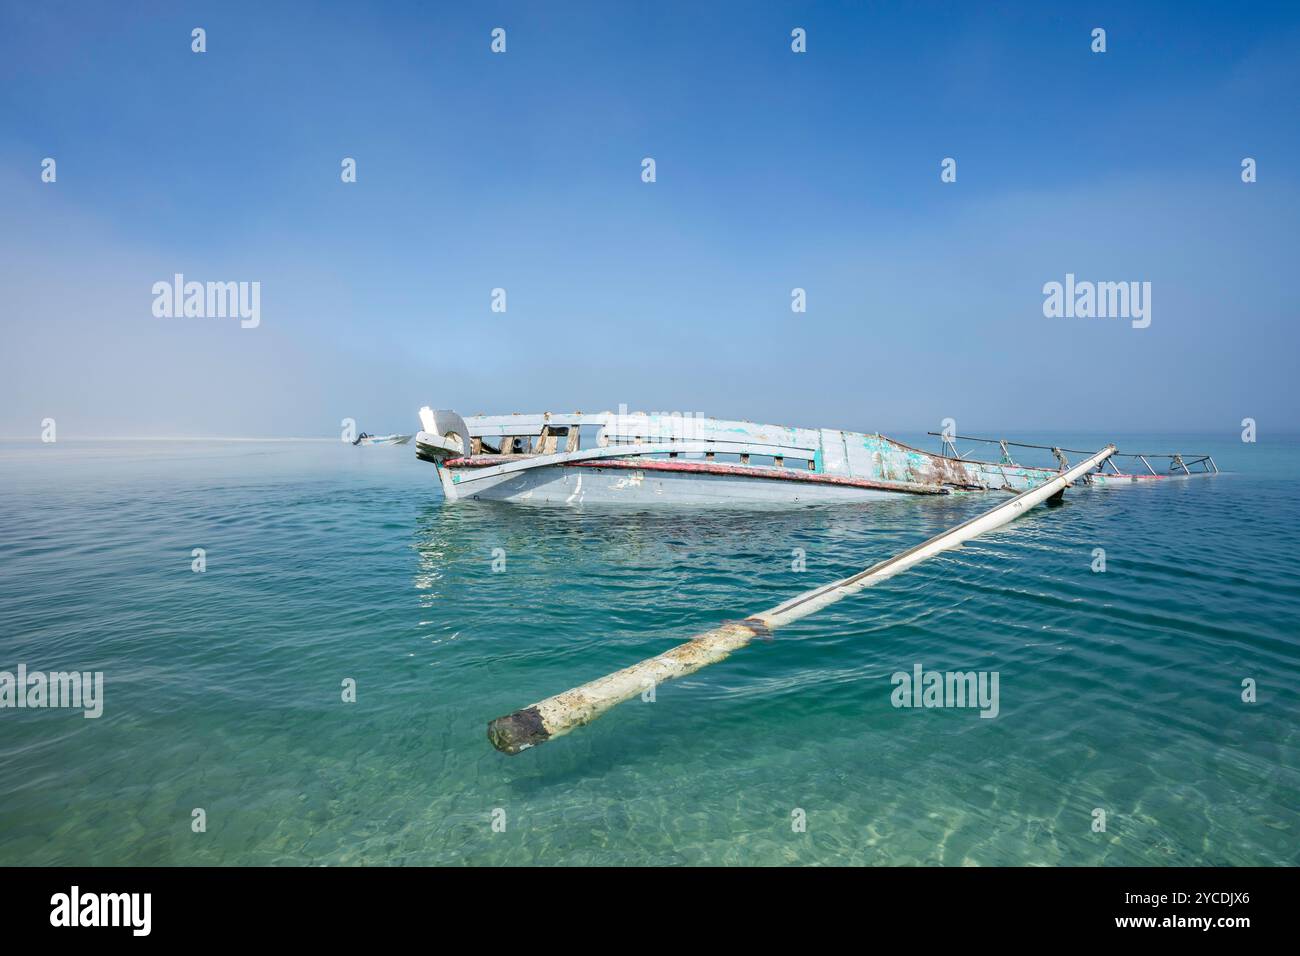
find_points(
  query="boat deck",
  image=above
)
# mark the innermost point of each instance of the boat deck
(651, 456)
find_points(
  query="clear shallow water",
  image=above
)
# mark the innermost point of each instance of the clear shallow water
(1118, 690)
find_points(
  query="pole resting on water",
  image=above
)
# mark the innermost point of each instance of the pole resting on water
(562, 713)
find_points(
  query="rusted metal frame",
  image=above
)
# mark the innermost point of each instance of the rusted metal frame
(1176, 460)
(1020, 444)
(1016, 444)
(946, 475)
(965, 461)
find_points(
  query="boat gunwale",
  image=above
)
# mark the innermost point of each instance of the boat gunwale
(487, 461)
(578, 419)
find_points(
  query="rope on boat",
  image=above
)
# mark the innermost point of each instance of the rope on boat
(564, 712)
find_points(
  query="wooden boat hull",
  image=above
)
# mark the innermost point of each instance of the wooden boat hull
(634, 483)
(646, 459)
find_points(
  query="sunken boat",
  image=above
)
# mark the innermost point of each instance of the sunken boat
(644, 457)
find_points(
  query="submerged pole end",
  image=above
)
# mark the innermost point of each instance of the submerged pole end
(518, 731)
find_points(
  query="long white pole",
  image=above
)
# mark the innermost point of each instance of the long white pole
(564, 712)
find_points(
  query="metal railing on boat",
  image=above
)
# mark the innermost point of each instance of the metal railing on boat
(1176, 460)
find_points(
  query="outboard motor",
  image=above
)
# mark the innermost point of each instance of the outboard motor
(444, 435)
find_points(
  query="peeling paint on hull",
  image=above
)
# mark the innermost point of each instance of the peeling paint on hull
(642, 458)
(556, 484)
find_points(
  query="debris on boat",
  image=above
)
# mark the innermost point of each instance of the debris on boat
(565, 712)
(691, 459)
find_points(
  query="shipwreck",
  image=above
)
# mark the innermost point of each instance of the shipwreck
(640, 457)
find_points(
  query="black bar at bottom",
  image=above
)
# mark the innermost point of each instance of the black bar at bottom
(330, 906)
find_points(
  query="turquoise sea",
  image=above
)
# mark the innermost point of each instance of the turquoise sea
(1120, 691)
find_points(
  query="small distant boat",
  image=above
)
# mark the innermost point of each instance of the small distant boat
(364, 439)
(691, 459)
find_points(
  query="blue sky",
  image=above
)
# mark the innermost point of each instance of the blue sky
(775, 170)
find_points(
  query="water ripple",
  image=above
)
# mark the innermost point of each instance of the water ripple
(1119, 690)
